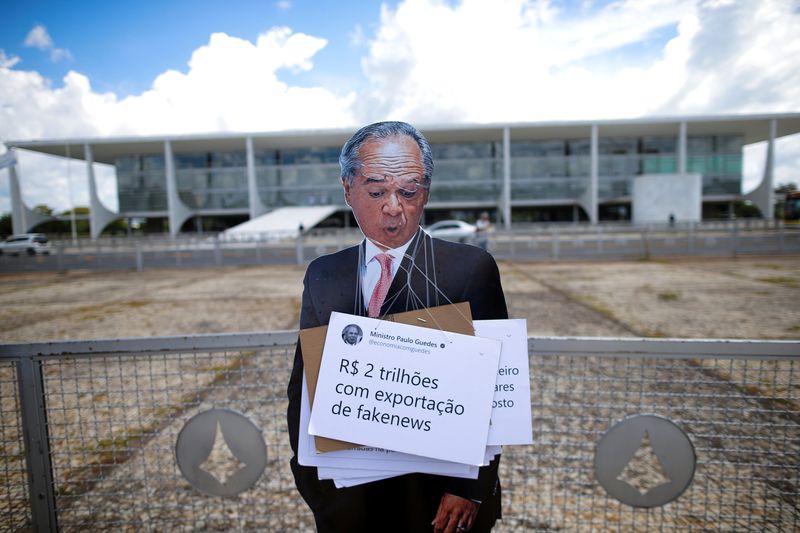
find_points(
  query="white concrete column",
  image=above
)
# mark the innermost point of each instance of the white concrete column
(23, 218)
(17, 206)
(769, 169)
(178, 212)
(99, 215)
(682, 149)
(769, 173)
(506, 178)
(256, 205)
(764, 195)
(594, 176)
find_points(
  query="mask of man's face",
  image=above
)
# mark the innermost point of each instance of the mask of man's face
(389, 192)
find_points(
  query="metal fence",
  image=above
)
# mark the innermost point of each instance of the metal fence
(551, 242)
(89, 432)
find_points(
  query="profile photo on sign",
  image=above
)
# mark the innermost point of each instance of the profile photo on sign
(352, 334)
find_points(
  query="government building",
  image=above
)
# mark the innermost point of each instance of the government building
(638, 170)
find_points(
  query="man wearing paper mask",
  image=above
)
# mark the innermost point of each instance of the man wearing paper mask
(386, 171)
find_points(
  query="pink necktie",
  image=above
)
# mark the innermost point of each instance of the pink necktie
(382, 287)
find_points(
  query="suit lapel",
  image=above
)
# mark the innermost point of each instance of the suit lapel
(340, 285)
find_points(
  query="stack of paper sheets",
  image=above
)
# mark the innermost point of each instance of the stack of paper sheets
(391, 398)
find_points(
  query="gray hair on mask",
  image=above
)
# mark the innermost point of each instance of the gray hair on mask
(349, 160)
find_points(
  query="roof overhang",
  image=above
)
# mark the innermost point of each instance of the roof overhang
(754, 128)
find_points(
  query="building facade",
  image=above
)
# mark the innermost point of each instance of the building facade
(522, 172)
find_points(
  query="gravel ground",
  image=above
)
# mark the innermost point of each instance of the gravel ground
(757, 298)
(114, 420)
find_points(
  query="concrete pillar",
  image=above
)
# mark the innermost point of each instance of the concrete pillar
(769, 173)
(506, 178)
(22, 217)
(589, 198)
(763, 196)
(257, 207)
(17, 207)
(99, 215)
(682, 149)
(178, 212)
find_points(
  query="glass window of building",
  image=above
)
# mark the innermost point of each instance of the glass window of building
(618, 156)
(547, 148)
(660, 144)
(659, 154)
(141, 182)
(579, 146)
(475, 150)
(729, 144)
(153, 162)
(461, 167)
(265, 158)
(306, 156)
(617, 145)
(233, 159)
(700, 144)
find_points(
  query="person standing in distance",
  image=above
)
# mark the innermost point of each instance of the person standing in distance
(482, 226)
(386, 172)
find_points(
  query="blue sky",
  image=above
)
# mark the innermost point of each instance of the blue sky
(96, 69)
(123, 46)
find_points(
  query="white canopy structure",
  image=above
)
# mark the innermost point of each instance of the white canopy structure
(281, 223)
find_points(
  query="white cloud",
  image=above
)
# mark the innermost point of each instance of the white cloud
(231, 84)
(39, 38)
(7, 61)
(356, 37)
(284, 4)
(518, 60)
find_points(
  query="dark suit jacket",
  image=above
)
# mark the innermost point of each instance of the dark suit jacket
(332, 283)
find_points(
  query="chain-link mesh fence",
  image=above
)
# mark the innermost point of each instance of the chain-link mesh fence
(741, 415)
(114, 423)
(14, 504)
(114, 414)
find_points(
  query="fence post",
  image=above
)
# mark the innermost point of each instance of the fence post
(217, 251)
(645, 243)
(556, 245)
(780, 237)
(735, 238)
(599, 239)
(60, 257)
(37, 445)
(139, 256)
(299, 248)
(177, 252)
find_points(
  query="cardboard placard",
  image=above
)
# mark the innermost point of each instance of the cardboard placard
(409, 389)
(455, 318)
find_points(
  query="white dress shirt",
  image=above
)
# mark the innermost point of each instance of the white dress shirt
(371, 272)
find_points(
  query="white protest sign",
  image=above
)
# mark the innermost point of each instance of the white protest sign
(372, 458)
(511, 407)
(414, 390)
(327, 472)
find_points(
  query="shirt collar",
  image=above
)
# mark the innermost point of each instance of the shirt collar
(397, 254)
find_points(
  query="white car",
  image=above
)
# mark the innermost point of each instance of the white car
(28, 243)
(452, 230)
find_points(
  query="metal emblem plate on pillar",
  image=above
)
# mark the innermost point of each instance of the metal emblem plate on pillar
(221, 452)
(645, 461)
